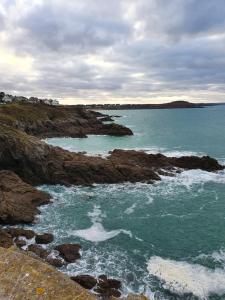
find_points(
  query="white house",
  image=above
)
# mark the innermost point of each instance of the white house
(7, 99)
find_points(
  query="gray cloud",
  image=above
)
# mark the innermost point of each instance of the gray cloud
(122, 49)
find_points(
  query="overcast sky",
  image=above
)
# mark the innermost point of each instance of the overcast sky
(117, 51)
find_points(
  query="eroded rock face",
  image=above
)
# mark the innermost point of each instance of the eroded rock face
(39, 163)
(18, 200)
(31, 279)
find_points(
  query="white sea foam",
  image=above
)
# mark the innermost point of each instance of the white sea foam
(217, 256)
(130, 209)
(97, 233)
(182, 277)
(191, 177)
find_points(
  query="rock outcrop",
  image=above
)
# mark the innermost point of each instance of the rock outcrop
(38, 163)
(18, 200)
(27, 278)
(46, 121)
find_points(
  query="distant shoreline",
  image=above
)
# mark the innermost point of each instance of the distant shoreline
(170, 105)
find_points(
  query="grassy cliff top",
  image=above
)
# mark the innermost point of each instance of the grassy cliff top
(26, 112)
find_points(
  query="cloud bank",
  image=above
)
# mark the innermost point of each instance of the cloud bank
(119, 51)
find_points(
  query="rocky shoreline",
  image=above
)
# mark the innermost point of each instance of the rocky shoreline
(26, 161)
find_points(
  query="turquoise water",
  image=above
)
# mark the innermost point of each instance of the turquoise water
(167, 239)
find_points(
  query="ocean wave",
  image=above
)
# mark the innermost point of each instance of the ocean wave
(191, 177)
(185, 278)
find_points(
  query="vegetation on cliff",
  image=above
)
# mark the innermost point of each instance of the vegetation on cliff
(55, 121)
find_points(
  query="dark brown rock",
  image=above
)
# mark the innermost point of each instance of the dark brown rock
(86, 281)
(17, 232)
(6, 240)
(18, 200)
(45, 238)
(107, 288)
(19, 243)
(38, 163)
(56, 262)
(38, 250)
(70, 252)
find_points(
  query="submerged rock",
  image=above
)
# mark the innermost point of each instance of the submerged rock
(27, 278)
(70, 252)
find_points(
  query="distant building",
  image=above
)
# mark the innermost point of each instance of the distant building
(9, 98)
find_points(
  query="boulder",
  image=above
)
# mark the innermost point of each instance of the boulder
(107, 288)
(38, 250)
(45, 238)
(70, 252)
(86, 281)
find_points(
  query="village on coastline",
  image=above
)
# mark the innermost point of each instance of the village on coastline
(6, 98)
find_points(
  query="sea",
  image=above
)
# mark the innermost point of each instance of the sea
(165, 240)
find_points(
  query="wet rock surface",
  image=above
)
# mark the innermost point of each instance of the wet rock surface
(70, 252)
(104, 287)
(108, 287)
(38, 250)
(86, 281)
(45, 238)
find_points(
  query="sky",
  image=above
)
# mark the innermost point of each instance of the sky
(117, 51)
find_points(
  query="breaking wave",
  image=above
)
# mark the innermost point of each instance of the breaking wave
(185, 278)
